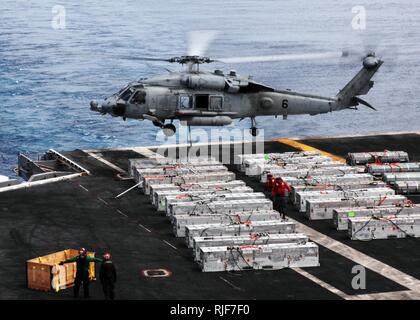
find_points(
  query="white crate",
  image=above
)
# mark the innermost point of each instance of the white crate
(185, 179)
(383, 156)
(401, 176)
(219, 206)
(304, 173)
(139, 174)
(365, 228)
(178, 170)
(335, 179)
(270, 157)
(356, 185)
(249, 165)
(270, 226)
(302, 196)
(407, 187)
(206, 195)
(180, 221)
(262, 257)
(155, 188)
(257, 167)
(207, 198)
(192, 186)
(264, 169)
(161, 197)
(381, 168)
(341, 215)
(162, 161)
(319, 209)
(245, 240)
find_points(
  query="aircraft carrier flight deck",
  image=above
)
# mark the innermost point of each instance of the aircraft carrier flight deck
(84, 211)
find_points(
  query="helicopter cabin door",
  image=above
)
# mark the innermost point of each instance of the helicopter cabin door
(201, 102)
(208, 102)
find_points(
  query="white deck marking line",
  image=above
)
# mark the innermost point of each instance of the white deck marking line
(172, 246)
(102, 200)
(121, 213)
(358, 257)
(142, 226)
(83, 188)
(395, 295)
(230, 284)
(109, 164)
(322, 283)
(391, 295)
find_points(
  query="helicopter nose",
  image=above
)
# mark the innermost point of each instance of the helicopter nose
(94, 106)
(108, 106)
(105, 107)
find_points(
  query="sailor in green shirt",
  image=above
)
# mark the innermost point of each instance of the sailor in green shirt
(82, 271)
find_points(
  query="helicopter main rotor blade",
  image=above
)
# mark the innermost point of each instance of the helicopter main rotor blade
(147, 59)
(199, 41)
(285, 57)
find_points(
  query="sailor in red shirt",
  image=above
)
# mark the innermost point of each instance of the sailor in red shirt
(270, 182)
(280, 192)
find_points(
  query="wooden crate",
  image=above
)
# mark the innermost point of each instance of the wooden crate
(44, 273)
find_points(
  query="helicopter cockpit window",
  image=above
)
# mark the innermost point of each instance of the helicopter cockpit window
(126, 94)
(139, 97)
(185, 102)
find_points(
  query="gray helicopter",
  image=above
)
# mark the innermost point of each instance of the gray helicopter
(203, 98)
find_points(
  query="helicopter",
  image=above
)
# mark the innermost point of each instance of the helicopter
(214, 98)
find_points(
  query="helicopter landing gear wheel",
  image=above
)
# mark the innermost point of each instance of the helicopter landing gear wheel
(169, 129)
(254, 131)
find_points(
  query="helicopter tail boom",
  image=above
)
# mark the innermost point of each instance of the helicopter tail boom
(360, 84)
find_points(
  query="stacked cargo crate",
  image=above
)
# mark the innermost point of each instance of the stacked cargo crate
(393, 167)
(227, 225)
(349, 194)
(400, 221)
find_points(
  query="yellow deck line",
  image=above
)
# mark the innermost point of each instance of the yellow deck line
(304, 147)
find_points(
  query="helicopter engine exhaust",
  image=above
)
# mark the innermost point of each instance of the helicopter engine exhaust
(208, 121)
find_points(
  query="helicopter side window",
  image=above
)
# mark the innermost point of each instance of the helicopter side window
(216, 103)
(185, 102)
(126, 94)
(139, 97)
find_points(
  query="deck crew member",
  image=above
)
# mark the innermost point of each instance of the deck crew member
(82, 271)
(108, 276)
(280, 192)
(270, 182)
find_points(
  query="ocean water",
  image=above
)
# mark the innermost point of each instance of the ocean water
(48, 76)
